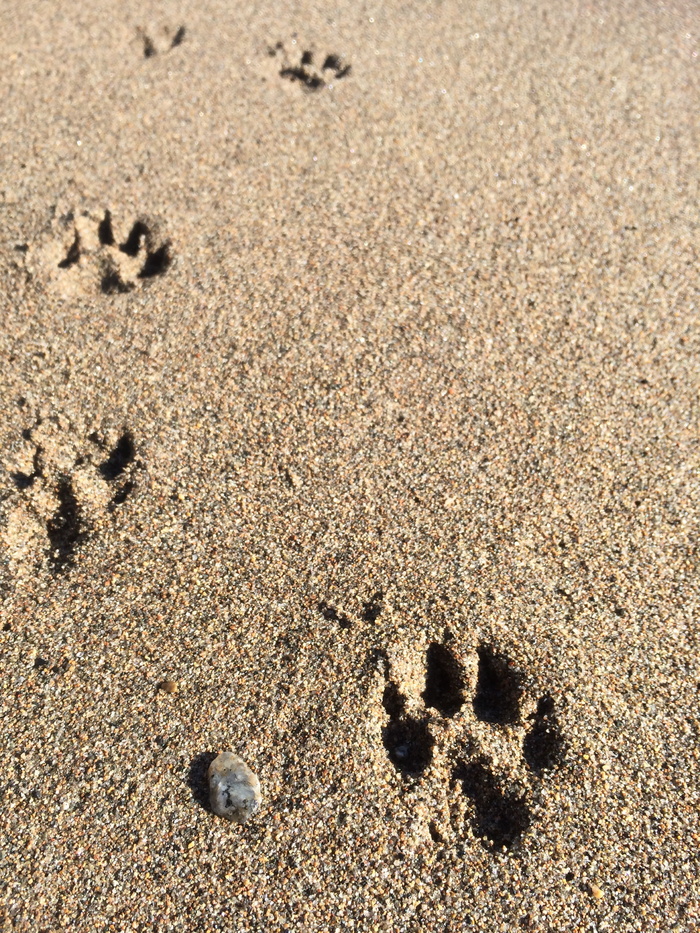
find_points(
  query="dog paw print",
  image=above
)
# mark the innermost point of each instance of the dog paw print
(84, 253)
(63, 490)
(308, 69)
(494, 742)
(165, 42)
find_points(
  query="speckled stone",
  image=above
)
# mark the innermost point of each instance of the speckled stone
(234, 790)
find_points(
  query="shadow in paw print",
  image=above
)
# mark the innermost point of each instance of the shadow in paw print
(156, 262)
(119, 458)
(197, 778)
(304, 73)
(65, 528)
(393, 701)
(498, 688)
(407, 739)
(310, 81)
(121, 495)
(444, 681)
(25, 480)
(135, 240)
(112, 282)
(113, 467)
(544, 744)
(330, 614)
(73, 254)
(334, 64)
(105, 234)
(500, 817)
(149, 48)
(152, 254)
(372, 609)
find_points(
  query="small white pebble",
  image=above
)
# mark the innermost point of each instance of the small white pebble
(234, 790)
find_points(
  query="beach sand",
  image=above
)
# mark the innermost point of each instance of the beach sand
(361, 407)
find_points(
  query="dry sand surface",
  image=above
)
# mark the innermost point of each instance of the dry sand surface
(349, 422)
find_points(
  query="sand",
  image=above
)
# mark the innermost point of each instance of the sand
(361, 409)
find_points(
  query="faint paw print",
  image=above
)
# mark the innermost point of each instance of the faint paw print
(310, 71)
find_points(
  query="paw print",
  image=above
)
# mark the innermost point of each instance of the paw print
(84, 254)
(63, 489)
(169, 40)
(495, 740)
(311, 72)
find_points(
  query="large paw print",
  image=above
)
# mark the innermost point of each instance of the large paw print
(469, 736)
(62, 490)
(84, 254)
(311, 71)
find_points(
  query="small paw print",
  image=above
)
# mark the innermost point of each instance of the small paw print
(311, 71)
(165, 41)
(64, 487)
(494, 754)
(84, 254)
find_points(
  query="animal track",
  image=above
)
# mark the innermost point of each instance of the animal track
(468, 738)
(312, 72)
(82, 253)
(63, 491)
(165, 44)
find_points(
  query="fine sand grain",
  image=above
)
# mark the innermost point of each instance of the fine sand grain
(349, 370)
